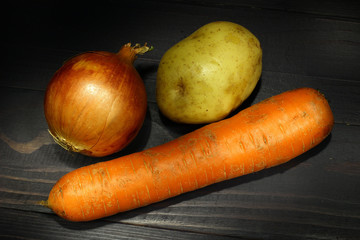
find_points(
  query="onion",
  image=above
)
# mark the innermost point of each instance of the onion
(95, 104)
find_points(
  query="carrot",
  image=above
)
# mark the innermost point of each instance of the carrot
(265, 135)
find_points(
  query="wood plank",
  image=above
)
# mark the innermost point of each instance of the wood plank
(294, 43)
(29, 225)
(306, 197)
(308, 43)
(22, 118)
(343, 96)
(329, 8)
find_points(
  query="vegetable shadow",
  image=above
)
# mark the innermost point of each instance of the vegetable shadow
(146, 69)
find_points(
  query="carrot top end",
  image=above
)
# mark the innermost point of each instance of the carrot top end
(44, 203)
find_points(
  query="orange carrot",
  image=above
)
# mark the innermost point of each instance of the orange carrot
(262, 136)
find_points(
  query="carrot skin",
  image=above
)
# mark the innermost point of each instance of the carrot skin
(264, 135)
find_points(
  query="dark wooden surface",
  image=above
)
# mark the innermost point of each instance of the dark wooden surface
(305, 44)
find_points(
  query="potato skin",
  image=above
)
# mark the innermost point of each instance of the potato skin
(205, 76)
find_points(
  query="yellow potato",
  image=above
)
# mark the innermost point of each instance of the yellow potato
(205, 76)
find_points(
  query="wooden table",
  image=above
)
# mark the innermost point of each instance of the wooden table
(305, 44)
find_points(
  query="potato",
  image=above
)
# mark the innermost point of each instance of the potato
(210, 73)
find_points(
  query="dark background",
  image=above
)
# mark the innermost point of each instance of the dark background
(305, 44)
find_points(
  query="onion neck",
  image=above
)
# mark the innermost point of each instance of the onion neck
(128, 53)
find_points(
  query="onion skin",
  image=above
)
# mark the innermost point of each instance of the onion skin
(95, 104)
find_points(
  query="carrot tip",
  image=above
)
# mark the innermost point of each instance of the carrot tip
(44, 203)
